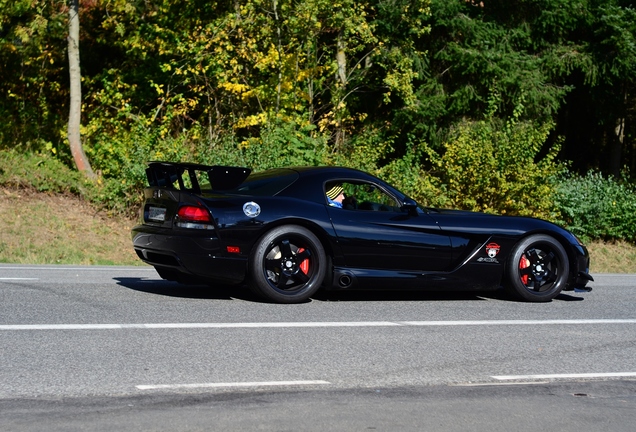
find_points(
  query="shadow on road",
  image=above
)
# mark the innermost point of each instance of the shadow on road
(569, 296)
(397, 295)
(424, 295)
(175, 289)
(241, 292)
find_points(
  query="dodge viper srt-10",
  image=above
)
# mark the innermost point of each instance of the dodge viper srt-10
(288, 232)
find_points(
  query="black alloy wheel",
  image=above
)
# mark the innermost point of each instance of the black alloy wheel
(287, 265)
(538, 269)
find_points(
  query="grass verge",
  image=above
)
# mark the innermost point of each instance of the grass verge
(618, 257)
(43, 228)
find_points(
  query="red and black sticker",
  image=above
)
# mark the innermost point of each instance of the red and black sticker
(492, 250)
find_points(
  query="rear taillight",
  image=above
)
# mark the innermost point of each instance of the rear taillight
(194, 214)
(194, 217)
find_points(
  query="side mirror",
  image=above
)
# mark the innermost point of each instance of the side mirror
(410, 206)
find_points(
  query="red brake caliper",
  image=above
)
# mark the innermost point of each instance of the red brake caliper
(304, 266)
(524, 262)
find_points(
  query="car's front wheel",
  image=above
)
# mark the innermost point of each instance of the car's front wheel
(538, 268)
(287, 265)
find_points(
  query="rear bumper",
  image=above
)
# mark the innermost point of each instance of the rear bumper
(198, 254)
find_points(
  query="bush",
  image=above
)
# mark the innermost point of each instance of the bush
(597, 207)
(280, 144)
(408, 175)
(41, 172)
(497, 167)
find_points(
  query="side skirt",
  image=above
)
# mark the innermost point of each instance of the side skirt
(472, 277)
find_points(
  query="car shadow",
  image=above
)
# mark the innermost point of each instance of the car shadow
(568, 297)
(394, 295)
(241, 292)
(174, 289)
(397, 295)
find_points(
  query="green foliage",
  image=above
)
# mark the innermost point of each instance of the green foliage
(521, 48)
(280, 144)
(32, 92)
(241, 70)
(597, 207)
(399, 88)
(41, 172)
(497, 167)
(409, 176)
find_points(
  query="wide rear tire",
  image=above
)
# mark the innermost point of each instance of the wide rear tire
(538, 269)
(287, 265)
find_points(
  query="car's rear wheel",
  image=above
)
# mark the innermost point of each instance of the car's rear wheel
(287, 265)
(538, 269)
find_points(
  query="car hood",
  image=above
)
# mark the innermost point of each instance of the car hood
(467, 221)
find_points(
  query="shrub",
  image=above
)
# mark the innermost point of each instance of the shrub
(279, 144)
(41, 172)
(497, 167)
(597, 207)
(408, 174)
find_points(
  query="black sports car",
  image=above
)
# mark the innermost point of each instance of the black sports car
(289, 231)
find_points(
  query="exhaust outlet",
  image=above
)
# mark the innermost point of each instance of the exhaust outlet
(344, 281)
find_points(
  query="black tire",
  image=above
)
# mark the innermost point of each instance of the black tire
(538, 269)
(287, 265)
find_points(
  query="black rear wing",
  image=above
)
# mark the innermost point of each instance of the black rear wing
(195, 177)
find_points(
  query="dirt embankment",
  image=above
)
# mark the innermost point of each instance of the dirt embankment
(40, 228)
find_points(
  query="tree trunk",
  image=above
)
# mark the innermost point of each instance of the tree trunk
(75, 111)
(279, 50)
(341, 60)
(616, 150)
(618, 141)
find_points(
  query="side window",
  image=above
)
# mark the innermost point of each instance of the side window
(360, 196)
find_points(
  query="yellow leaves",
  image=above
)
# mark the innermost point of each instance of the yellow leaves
(23, 34)
(235, 88)
(268, 60)
(250, 142)
(158, 88)
(326, 121)
(253, 120)
(49, 147)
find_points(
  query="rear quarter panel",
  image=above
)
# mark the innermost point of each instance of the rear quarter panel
(237, 229)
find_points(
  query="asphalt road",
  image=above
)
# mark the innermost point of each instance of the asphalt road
(116, 348)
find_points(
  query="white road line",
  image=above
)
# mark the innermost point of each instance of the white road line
(230, 385)
(193, 325)
(499, 384)
(566, 376)
(113, 269)
(257, 325)
(520, 322)
(17, 279)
